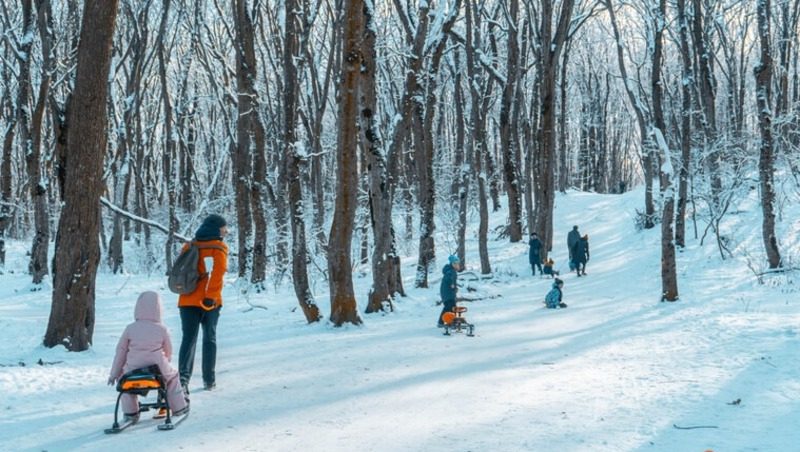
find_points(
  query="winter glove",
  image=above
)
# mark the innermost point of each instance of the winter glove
(209, 304)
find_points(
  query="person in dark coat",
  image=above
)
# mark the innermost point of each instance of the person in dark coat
(580, 253)
(449, 287)
(535, 253)
(572, 239)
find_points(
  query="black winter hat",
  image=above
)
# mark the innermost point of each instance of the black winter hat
(210, 229)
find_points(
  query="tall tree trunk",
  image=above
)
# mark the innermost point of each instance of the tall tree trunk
(6, 201)
(669, 278)
(462, 165)
(477, 141)
(508, 137)
(169, 155)
(552, 43)
(39, 185)
(386, 277)
(563, 170)
(77, 254)
(292, 152)
(685, 125)
(343, 300)
(707, 98)
(243, 165)
(766, 170)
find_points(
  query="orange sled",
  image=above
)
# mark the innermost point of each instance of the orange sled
(456, 322)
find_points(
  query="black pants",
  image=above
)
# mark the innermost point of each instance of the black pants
(535, 265)
(192, 318)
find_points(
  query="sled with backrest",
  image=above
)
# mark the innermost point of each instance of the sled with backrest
(140, 382)
(456, 322)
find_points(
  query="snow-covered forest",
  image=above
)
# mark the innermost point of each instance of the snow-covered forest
(353, 145)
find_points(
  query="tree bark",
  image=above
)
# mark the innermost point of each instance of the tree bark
(477, 137)
(552, 42)
(343, 300)
(386, 277)
(508, 137)
(243, 160)
(685, 125)
(669, 278)
(77, 254)
(292, 151)
(766, 162)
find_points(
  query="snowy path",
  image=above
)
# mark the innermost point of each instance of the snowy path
(612, 372)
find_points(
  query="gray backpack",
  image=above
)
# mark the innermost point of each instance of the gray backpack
(182, 278)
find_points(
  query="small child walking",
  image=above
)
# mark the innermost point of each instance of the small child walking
(146, 342)
(554, 297)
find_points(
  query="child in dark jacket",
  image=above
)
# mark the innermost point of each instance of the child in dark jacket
(548, 268)
(554, 297)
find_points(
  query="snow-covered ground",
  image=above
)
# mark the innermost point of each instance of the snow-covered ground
(615, 371)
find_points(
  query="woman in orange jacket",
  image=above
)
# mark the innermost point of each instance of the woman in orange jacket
(201, 308)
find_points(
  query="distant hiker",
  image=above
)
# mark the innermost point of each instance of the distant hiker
(580, 253)
(554, 297)
(448, 289)
(548, 268)
(146, 342)
(202, 307)
(572, 239)
(535, 253)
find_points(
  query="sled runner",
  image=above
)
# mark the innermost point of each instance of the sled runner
(456, 322)
(140, 382)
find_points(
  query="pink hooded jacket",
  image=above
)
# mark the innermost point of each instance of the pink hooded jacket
(144, 342)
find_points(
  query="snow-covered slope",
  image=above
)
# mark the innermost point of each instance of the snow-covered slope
(615, 371)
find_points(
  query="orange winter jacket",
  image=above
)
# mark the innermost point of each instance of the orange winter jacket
(210, 284)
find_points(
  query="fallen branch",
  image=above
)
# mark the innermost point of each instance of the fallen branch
(692, 427)
(120, 211)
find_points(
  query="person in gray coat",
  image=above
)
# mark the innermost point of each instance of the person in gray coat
(572, 239)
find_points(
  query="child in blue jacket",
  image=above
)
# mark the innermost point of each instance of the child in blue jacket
(553, 298)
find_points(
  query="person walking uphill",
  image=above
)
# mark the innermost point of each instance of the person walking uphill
(572, 239)
(449, 287)
(144, 343)
(535, 253)
(201, 308)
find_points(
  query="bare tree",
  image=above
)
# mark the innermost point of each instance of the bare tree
(766, 162)
(552, 42)
(508, 138)
(669, 278)
(343, 300)
(386, 277)
(294, 153)
(77, 251)
(685, 125)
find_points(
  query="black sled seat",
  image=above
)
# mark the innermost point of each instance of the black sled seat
(456, 322)
(140, 382)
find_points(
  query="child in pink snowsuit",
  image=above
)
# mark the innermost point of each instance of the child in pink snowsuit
(143, 343)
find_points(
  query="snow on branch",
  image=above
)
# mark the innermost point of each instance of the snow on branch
(139, 219)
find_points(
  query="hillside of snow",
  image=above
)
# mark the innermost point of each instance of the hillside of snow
(617, 370)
